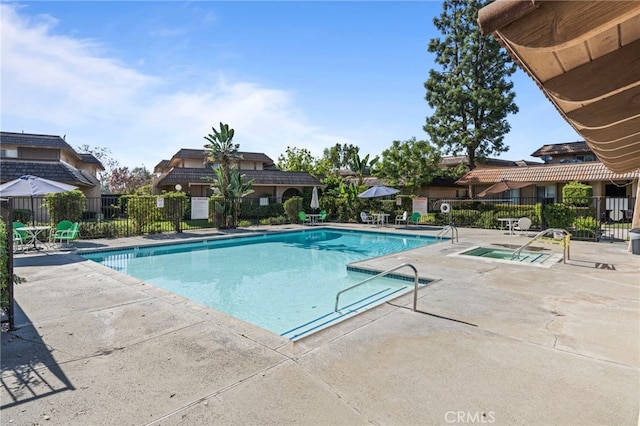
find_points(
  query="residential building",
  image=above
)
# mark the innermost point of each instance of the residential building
(566, 163)
(190, 169)
(571, 152)
(49, 157)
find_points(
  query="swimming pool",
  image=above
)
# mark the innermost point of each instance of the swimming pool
(284, 282)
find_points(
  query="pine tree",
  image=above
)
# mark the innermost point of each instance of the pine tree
(470, 95)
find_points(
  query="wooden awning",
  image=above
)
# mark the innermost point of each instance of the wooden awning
(585, 56)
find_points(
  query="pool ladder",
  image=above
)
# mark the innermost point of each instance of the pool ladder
(380, 275)
(444, 231)
(564, 242)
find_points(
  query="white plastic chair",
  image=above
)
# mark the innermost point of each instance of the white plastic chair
(523, 224)
(402, 218)
(366, 218)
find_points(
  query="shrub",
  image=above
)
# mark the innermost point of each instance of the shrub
(292, 207)
(577, 194)
(559, 216)
(585, 227)
(143, 211)
(175, 205)
(90, 230)
(22, 215)
(66, 205)
(4, 268)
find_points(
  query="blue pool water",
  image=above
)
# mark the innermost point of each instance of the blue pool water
(285, 283)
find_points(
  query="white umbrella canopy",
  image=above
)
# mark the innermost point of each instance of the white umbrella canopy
(378, 191)
(315, 203)
(30, 186)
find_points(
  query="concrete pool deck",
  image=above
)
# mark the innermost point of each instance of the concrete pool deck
(491, 343)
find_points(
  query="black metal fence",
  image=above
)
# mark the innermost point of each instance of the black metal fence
(7, 306)
(587, 219)
(110, 216)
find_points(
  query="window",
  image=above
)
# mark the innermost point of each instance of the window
(462, 193)
(513, 195)
(548, 191)
(10, 153)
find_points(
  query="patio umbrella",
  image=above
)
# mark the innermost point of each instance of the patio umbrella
(315, 203)
(30, 186)
(502, 186)
(378, 191)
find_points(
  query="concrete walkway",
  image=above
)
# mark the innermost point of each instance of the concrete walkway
(491, 343)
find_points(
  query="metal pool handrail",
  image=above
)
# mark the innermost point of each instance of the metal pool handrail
(445, 230)
(380, 275)
(566, 239)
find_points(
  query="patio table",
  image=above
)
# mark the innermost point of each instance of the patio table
(510, 221)
(33, 232)
(313, 218)
(382, 219)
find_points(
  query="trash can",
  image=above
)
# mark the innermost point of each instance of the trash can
(634, 236)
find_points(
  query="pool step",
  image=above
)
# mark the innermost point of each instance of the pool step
(343, 313)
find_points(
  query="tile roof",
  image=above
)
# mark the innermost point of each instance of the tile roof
(90, 159)
(31, 140)
(463, 159)
(593, 171)
(53, 170)
(262, 177)
(161, 165)
(202, 154)
(563, 148)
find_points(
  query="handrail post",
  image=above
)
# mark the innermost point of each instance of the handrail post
(380, 275)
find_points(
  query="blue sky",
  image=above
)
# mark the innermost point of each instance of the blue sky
(145, 79)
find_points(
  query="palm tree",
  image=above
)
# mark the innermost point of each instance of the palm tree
(222, 150)
(223, 153)
(361, 167)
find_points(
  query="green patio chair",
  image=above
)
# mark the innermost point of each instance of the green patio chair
(415, 217)
(323, 216)
(63, 225)
(64, 234)
(23, 236)
(303, 218)
(18, 241)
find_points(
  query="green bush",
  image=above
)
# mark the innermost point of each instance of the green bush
(292, 207)
(90, 230)
(143, 212)
(66, 205)
(585, 227)
(175, 206)
(22, 215)
(4, 268)
(559, 216)
(577, 194)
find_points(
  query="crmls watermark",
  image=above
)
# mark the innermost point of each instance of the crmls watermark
(469, 417)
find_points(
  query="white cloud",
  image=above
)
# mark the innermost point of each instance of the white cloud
(54, 84)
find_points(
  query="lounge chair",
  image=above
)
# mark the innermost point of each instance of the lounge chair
(63, 225)
(66, 235)
(20, 238)
(415, 217)
(18, 241)
(367, 219)
(303, 218)
(402, 218)
(523, 224)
